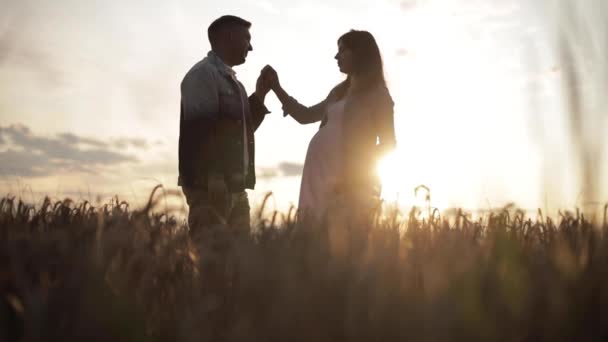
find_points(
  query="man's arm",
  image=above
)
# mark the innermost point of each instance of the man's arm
(256, 100)
(200, 100)
(258, 110)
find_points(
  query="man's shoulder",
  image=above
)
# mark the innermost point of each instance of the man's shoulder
(204, 68)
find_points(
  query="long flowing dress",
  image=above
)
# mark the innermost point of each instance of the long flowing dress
(322, 164)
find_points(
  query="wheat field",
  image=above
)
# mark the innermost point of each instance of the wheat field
(72, 271)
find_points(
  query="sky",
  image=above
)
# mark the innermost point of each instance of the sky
(89, 99)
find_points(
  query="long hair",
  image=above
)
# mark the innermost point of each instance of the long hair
(367, 62)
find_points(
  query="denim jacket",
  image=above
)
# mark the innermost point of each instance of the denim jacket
(217, 124)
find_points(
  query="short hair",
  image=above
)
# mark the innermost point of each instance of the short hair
(223, 22)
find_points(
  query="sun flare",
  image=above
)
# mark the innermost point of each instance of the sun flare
(393, 176)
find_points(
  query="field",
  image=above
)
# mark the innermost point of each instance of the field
(71, 271)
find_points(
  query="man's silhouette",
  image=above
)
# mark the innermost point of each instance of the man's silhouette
(217, 122)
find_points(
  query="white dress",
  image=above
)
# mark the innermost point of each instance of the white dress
(321, 167)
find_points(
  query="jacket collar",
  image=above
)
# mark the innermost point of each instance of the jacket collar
(220, 65)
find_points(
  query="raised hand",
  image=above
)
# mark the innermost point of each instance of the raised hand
(272, 77)
(262, 85)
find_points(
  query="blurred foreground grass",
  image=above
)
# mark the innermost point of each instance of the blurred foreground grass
(70, 271)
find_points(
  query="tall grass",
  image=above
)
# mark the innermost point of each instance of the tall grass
(71, 271)
(581, 44)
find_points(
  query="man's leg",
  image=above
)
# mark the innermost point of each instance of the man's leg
(239, 219)
(201, 211)
(239, 228)
(217, 275)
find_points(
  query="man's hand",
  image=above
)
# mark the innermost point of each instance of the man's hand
(268, 79)
(272, 77)
(219, 196)
(262, 86)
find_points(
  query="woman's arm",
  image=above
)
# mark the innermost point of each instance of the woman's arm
(368, 119)
(299, 112)
(386, 123)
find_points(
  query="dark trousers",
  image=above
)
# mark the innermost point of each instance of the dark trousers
(219, 265)
(204, 214)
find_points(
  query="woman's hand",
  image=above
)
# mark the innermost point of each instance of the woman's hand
(273, 78)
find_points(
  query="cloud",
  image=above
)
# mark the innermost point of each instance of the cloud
(137, 143)
(25, 48)
(266, 173)
(266, 6)
(407, 5)
(19, 163)
(402, 52)
(65, 147)
(24, 153)
(73, 139)
(291, 169)
(284, 169)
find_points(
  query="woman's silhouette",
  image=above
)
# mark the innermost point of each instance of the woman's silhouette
(357, 127)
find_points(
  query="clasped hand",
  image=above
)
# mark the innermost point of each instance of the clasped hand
(267, 80)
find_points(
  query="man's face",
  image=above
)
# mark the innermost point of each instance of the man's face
(240, 44)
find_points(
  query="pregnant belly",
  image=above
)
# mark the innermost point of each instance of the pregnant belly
(322, 157)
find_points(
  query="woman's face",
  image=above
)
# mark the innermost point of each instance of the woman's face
(345, 59)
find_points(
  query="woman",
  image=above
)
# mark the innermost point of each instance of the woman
(357, 127)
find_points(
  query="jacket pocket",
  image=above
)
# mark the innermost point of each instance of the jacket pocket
(231, 106)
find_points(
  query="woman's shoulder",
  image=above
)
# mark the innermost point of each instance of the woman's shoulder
(337, 92)
(379, 94)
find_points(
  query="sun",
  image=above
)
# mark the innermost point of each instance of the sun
(394, 178)
(401, 172)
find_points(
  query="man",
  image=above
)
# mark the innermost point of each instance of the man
(217, 122)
